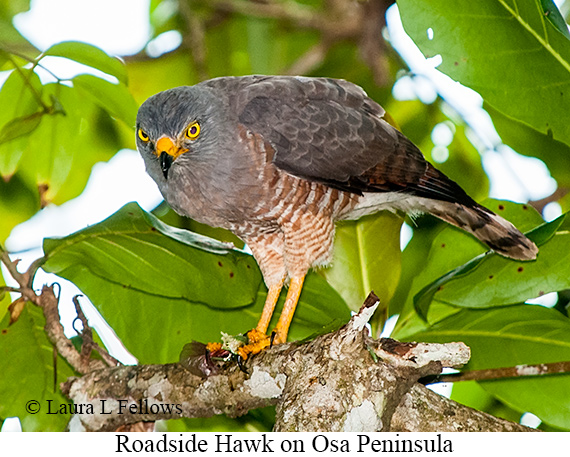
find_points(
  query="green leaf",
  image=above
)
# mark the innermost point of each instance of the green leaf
(91, 56)
(495, 281)
(27, 367)
(136, 250)
(176, 285)
(510, 336)
(8, 9)
(447, 250)
(99, 137)
(5, 298)
(366, 258)
(504, 49)
(18, 202)
(470, 393)
(11, 38)
(57, 131)
(52, 146)
(20, 126)
(553, 14)
(172, 322)
(113, 98)
(530, 142)
(19, 100)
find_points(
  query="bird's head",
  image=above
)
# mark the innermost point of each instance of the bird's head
(174, 123)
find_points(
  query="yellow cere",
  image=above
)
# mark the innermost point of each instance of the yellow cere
(193, 131)
(143, 136)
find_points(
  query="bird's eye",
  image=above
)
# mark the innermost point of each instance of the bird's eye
(143, 136)
(193, 131)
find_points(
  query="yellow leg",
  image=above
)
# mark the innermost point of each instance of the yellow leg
(258, 339)
(270, 302)
(282, 328)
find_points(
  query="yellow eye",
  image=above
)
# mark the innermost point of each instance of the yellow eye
(193, 131)
(143, 136)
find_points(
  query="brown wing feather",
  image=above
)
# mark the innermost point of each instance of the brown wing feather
(330, 131)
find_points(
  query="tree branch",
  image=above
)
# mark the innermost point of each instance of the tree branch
(339, 381)
(539, 369)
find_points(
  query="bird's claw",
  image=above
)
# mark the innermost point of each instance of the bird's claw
(241, 363)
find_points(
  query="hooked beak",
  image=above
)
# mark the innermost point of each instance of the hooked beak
(167, 152)
(165, 163)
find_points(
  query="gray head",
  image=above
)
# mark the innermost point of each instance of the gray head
(178, 121)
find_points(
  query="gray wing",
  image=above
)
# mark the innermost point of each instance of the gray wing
(330, 131)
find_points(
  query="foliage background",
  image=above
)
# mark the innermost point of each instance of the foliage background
(157, 286)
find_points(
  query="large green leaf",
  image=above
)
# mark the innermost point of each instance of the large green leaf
(27, 367)
(530, 142)
(510, 336)
(5, 298)
(447, 250)
(366, 258)
(507, 50)
(91, 56)
(174, 285)
(135, 249)
(470, 393)
(492, 280)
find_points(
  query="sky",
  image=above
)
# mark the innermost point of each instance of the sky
(121, 27)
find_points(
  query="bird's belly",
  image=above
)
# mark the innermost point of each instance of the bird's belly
(372, 202)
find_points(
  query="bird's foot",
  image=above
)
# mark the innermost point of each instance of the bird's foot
(257, 342)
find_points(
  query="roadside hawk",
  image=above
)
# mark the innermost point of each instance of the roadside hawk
(278, 160)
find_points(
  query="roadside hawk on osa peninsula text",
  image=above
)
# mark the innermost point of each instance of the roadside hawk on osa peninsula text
(278, 160)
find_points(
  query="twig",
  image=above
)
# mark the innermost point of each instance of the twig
(301, 16)
(23, 279)
(518, 371)
(54, 330)
(88, 344)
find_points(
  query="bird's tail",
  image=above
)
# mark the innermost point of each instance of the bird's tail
(496, 232)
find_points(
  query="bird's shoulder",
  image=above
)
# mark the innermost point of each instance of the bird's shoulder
(260, 92)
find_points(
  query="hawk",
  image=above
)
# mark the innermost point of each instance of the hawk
(278, 160)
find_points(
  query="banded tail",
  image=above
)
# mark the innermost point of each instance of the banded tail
(496, 232)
